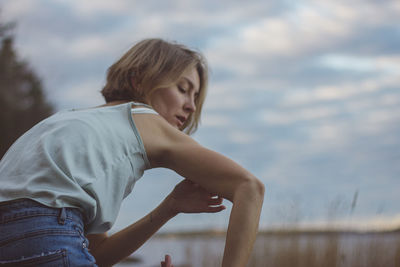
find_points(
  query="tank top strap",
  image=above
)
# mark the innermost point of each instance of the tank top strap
(142, 109)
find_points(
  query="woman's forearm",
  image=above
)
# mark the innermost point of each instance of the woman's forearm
(123, 243)
(243, 224)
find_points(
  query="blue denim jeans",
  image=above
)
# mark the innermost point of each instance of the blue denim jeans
(32, 234)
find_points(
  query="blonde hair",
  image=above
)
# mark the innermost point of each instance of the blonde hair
(153, 64)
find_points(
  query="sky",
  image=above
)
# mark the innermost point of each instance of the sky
(304, 94)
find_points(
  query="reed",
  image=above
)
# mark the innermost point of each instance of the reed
(315, 249)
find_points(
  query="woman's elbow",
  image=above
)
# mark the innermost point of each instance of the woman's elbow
(259, 187)
(252, 189)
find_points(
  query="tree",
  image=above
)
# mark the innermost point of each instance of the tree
(22, 99)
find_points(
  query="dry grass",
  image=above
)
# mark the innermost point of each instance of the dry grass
(315, 249)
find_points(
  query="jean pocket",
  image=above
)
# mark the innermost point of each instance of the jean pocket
(49, 259)
(33, 236)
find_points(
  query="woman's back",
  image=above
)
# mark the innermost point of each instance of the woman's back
(88, 159)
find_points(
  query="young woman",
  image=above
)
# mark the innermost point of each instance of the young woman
(62, 182)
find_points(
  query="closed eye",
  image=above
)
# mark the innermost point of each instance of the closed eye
(181, 89)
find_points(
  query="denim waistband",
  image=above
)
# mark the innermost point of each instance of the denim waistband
(20, 208)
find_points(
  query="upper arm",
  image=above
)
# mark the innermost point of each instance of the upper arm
(170, 148)
(213, 171)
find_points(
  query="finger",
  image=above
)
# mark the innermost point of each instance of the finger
(167, 260)
(214, 202)
(213, 196)
(215, 209)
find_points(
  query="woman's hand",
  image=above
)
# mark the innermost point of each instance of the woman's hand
(188, 197)
(167, 262)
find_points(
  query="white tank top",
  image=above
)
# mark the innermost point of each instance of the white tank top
(88, 159)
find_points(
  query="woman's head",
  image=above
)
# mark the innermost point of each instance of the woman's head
(151, 65)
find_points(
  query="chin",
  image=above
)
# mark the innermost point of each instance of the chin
(175, 126)
(179, 128)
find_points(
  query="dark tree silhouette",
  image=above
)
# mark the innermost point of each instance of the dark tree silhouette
(22, 100)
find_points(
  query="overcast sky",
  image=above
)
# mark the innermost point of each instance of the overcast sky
(304, 94)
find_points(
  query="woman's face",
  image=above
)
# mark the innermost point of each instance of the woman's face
(176, 102)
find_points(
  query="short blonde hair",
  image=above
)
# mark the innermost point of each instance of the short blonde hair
(152, 64)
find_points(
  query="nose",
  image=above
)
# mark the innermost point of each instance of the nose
(190, 105)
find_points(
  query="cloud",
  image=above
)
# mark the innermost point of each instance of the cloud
(380, 116)
(281, 46)
(302, 31)
(243, 137)
(340, 90)
(379, 64)
(222, 96)
(15, 9)
(99, 7)
(285, 117)
(88, 47)
(215, 120)
(80, 94)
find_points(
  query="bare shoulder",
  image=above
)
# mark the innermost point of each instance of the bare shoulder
(159, 137)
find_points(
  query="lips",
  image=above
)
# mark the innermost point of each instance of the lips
(181, 119)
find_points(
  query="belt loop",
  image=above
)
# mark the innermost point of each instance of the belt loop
(62, 217)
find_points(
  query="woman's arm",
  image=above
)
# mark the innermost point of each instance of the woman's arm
(112, 249)
(227, 179)
(169, 148)
(186, 197)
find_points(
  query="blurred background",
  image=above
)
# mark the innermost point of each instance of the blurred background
(304, 94)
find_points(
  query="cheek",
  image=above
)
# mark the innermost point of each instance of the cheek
(159, 105)
(166, 102)
(162, 109)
